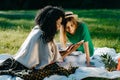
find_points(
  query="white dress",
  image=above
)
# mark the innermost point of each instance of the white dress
(35, 53)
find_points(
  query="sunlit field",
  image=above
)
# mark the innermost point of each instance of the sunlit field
(104, 26)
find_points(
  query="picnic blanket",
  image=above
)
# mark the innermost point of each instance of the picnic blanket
(77, 58)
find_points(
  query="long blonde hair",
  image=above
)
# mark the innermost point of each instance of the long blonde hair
(63, 37)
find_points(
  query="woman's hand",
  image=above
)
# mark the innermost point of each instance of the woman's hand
(89, 64)
(71, 48)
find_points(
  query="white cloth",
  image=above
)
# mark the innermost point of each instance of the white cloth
(78, 59)
(36, 53)
(8, 77)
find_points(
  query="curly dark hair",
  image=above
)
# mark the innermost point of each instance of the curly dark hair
(46, 19)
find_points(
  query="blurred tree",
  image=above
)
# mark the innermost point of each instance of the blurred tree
(37, 4)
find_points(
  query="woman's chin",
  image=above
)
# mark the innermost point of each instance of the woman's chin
(72, 33)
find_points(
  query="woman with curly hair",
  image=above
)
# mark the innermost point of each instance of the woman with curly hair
(39, 51)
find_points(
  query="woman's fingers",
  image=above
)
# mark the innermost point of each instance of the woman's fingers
(70, 47)
(73, 47)
(81, 42)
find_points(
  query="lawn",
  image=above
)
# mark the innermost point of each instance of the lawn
(104, 26)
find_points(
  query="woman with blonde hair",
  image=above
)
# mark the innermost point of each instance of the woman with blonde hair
(75, 31)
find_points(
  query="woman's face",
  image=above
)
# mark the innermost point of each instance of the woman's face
(70, 27)
(58, 23)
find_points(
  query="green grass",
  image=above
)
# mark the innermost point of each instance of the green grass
(104, 26)
(14, 28)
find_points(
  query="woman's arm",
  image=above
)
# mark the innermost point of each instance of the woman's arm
(86, 50)
(71, 48)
